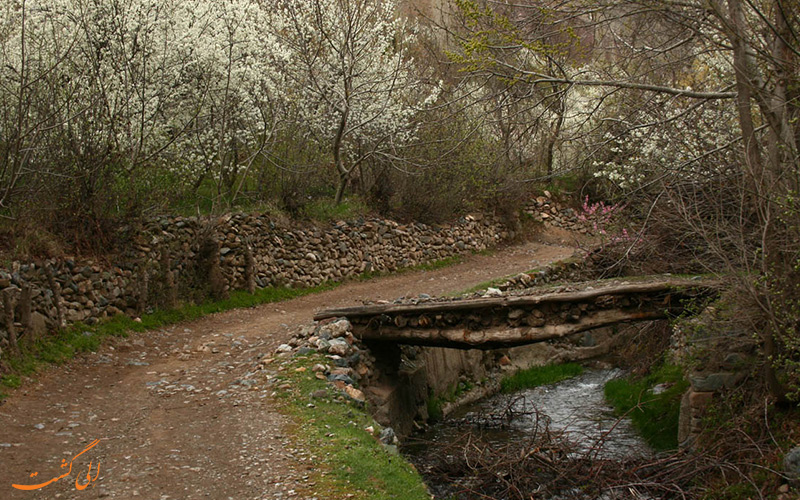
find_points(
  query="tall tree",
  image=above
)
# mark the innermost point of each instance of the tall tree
(350, 77)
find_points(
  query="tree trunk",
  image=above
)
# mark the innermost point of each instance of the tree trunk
(762, 180)
(340, 188)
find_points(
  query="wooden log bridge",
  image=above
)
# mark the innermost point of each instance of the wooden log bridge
(512, 320)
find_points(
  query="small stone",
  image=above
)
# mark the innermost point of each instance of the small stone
(504, 361)
(339, 347)
(39, 426)
(388, 436)
(714, 382)
(791, 463)
(283, 348)
(355, 394)
(516, 313)
(700, 399)
(338, 377)
(323, 345)
(339, 328)
(661, 388)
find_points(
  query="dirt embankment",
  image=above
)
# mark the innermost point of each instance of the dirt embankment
(174, 413)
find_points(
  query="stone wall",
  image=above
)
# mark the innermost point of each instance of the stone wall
(175, 259)
(722, 354)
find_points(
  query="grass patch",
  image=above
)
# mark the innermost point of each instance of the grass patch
(436, 404)
(481, 286)
(428, 266)
(655, 416)
(539, 375)
(326, 209)
(353, 463)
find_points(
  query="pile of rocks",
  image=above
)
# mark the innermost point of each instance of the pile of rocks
(396, 386)
(351, 365)
(546, 210)
(576, 268)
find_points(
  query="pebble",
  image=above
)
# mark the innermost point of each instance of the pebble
(355, 394)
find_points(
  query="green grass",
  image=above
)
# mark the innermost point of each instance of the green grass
(326, 209)
(436, 403)
(351, 462)
(429, 266)
(654, 416)
(539, 375)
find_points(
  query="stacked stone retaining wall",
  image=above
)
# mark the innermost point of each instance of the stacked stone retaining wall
(174, 258)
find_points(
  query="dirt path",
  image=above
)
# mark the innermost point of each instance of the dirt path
(175, 417)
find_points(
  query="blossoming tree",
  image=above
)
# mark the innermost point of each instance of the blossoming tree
(350, 77)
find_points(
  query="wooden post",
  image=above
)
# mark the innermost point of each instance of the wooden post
(56, 289)
(8, 309)
(170, 292)
(210, 270)
(25, 306)
(249, 269)
(141, 298)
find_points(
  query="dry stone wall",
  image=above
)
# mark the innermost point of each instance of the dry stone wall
(182, 258)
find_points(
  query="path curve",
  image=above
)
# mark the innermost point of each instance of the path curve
(172, 419)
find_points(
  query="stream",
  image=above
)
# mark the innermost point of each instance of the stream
(572, 414)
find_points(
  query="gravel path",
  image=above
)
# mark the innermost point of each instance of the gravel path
(177, 411)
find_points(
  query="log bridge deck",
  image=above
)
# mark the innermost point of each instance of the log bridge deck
(539, 316)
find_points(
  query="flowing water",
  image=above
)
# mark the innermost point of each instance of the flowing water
(573, 410)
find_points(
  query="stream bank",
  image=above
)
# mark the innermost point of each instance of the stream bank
(570, 419)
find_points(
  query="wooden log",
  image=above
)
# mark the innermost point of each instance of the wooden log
(603, 294)
(8, 310)
(495, 337)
